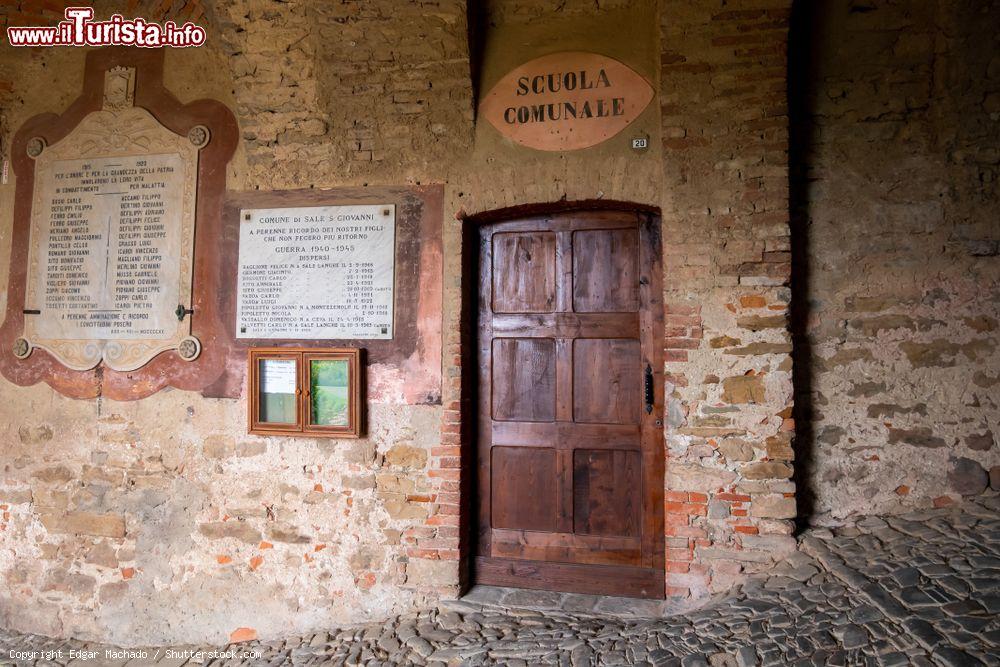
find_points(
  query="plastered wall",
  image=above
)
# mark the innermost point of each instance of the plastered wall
(894, 179)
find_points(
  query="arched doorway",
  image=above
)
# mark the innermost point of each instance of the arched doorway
(568, 441)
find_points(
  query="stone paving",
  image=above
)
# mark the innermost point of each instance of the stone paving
(916, 589)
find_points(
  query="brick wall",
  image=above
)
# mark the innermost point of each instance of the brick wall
(726, 271)
(896, 196)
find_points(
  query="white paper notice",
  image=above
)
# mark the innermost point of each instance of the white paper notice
(324, 272)
(277, 376)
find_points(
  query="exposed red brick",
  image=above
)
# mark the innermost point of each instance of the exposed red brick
(242, 635)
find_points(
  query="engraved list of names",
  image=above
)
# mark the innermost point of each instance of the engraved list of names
(108, 256)
(324, 272)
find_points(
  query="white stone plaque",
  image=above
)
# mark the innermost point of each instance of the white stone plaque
(111, 239)
(317, 272)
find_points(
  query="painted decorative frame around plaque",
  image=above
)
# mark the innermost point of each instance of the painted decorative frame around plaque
(112, 235)
(210, 127)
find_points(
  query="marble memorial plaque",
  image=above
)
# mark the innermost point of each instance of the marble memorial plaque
(112, 235)
(324, 272)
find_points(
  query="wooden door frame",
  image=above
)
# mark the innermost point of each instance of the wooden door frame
(469, 314)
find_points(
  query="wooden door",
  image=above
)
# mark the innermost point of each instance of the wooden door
(569, 435)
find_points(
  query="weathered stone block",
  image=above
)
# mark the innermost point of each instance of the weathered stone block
(967, 477)
(406, 456)
(723, 341)
(766, 486)
(248, 448)
(830, 435)
(362, 452)
(735, 449)
(778, 546)
(779, 447)
(34, 435)
(400, 508)
(54, 474)
(772, 507)
(767, 470)
(890, 410)
(941, 353)
(692, 477)
(762, 322)
(93, 475)
(85, 523)
(388, 483)
(218, 446)
(921, 436)
(63, 581)
(358, 482)
(741, 555)
(754, 349)
(743, 389)
(844, 357)
(866, 389)
(980, 442)
(15, 496)
(425, 572)
(775, 527)
(871, 326)
(237, 530)
(286, 534)
(717, 509)
(102, 554)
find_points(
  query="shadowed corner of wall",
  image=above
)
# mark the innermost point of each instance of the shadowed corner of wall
(477, 22)
(803, 42)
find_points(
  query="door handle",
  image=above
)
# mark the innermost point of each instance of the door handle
(649, 389)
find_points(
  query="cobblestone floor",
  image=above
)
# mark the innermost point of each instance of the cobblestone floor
(917, 589)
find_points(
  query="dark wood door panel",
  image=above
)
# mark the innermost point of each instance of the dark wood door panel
(606, 271)
(524, 272)
(524, 377)
(523, 494)
(607, 381)
(607, 492)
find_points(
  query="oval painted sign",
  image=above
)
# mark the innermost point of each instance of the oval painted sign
(566, 101)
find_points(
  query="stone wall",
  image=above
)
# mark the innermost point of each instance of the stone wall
(896, 157)
(726, 271)
(162, 521)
